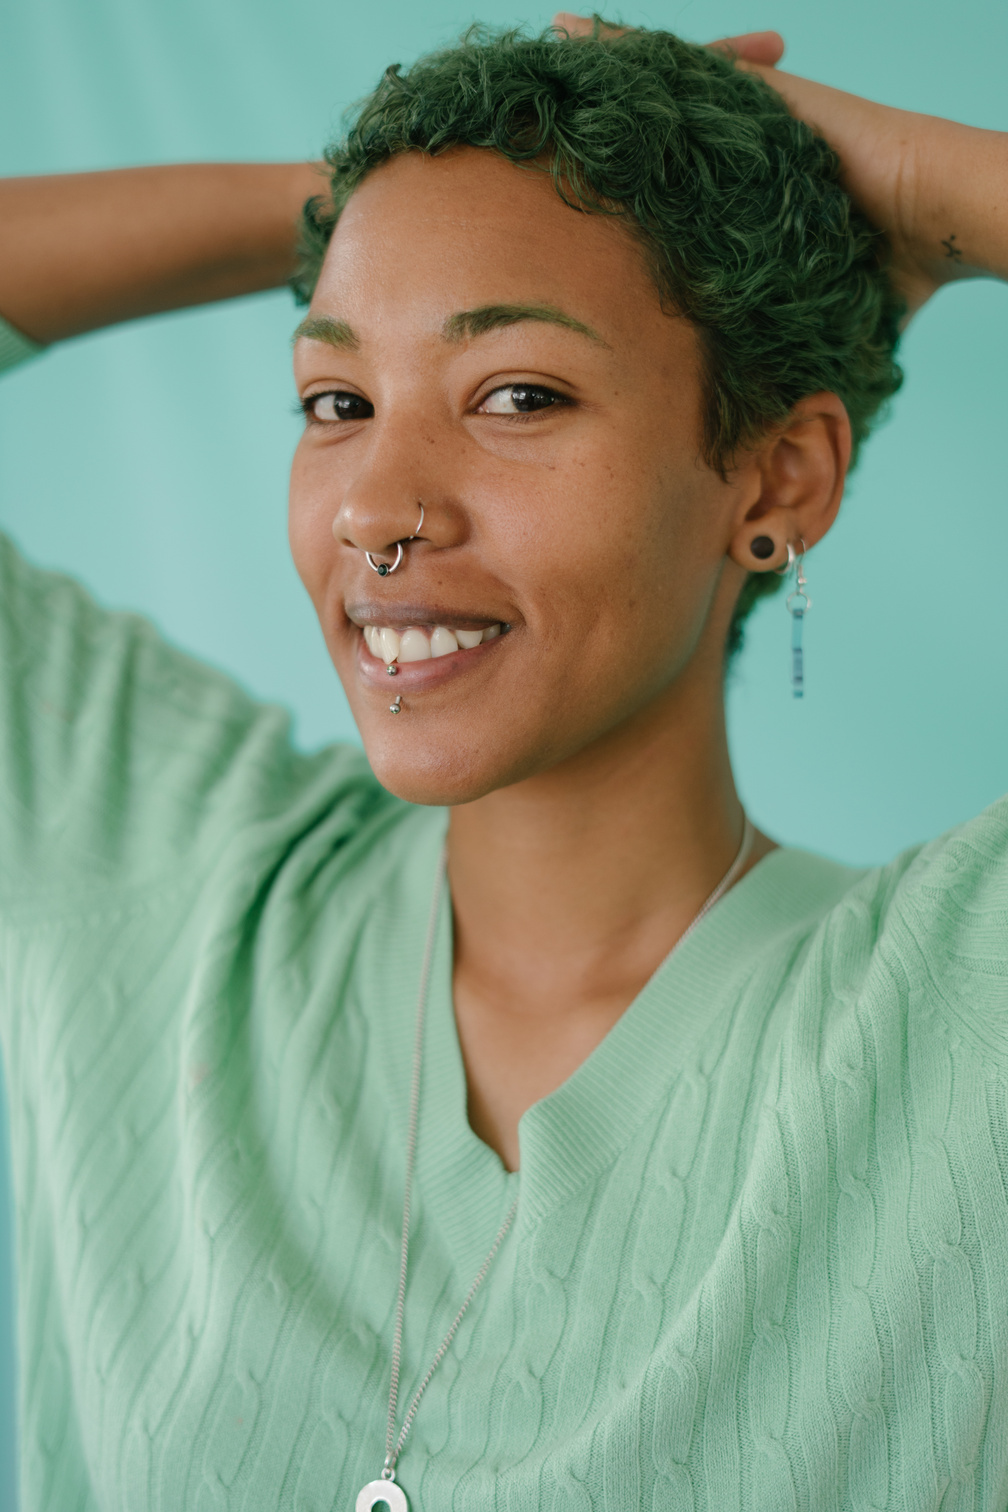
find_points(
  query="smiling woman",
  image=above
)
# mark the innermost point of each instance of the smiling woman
(503, 1115)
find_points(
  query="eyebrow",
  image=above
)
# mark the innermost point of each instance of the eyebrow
(335, 333)
(463, 325)
(478, 322)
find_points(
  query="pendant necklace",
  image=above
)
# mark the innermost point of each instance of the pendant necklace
(386, 1491)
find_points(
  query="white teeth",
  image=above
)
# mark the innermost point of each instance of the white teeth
(443, 642)
(414, 646)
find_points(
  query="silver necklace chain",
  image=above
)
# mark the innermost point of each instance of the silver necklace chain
(394, 1446)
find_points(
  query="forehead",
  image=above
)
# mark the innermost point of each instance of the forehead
(469, 228)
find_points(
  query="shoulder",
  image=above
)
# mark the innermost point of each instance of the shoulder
(947, 925)
(923, 941)
(124, 760)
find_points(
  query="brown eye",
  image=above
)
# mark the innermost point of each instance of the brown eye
(520, 399)
(336, 405)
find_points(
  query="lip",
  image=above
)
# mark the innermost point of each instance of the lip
(401, 616)
(424, 674)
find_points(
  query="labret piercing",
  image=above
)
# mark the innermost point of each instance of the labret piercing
(385, 569)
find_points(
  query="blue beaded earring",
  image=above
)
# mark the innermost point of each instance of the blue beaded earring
(797, 603)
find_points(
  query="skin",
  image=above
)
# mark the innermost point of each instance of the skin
(84, 250)
(583, 753)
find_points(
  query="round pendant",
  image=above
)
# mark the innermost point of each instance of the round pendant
(382, 1493)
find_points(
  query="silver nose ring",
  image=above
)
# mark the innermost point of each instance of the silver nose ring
(385, 569)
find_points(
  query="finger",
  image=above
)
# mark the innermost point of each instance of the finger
(584, 26)
(575, 26)
(766, 47)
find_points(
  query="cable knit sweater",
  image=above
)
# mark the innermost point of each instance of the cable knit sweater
(760, 1258)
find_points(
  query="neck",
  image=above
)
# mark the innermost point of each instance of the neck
(588, 873)
(571, 887)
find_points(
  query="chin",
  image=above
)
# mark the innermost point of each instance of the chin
(467, 728)
(441, 773)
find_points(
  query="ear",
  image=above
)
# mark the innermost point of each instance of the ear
(792, 484)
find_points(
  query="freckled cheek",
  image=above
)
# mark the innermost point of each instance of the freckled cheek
(573, 551)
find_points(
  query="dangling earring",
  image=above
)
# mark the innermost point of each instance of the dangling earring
(797, 604)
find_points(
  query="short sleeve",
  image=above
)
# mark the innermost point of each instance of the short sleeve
(124, 760)
(14, 347)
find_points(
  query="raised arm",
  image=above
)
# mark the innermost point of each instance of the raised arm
(83, 250)
(937, 189)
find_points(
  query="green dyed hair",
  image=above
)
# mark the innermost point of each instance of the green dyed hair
(749, 232)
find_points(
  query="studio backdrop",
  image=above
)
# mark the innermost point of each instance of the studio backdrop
(151, 460)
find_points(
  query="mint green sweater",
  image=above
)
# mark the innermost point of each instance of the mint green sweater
(760, 1259)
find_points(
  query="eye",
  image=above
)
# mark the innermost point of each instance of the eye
(336, 405)
(520, 399)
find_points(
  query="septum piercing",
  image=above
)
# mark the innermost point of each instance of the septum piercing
(383, 569)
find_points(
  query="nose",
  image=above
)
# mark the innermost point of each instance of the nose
(391, 500)
(378, 531)
(384, 568)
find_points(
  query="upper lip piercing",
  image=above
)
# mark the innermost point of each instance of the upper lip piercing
(384, 569)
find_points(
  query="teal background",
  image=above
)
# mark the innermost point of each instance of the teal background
(150, 460)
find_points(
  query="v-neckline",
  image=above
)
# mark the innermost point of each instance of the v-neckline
(578, 1129)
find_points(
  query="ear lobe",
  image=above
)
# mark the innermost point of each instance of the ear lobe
(801, 469)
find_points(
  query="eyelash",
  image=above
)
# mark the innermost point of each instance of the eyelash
(304, 407)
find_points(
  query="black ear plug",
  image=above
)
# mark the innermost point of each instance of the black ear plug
(762, 547)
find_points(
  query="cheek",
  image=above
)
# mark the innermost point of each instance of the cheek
(610, 552)
(310, 513)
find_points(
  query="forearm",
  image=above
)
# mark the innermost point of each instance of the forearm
(939, 190)
(83, 250)
(957, 200)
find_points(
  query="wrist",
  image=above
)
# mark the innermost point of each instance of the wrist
(955, 216)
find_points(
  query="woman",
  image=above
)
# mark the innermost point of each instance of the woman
(331, 1194)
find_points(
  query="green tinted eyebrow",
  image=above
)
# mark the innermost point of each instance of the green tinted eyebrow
(469, 323)
(335, 333)
(458, 327)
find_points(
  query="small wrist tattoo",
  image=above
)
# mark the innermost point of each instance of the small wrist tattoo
(951, 250)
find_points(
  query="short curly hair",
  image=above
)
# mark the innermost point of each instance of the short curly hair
(748, 229)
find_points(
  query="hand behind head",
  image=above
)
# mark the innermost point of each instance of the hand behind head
(766, 47)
